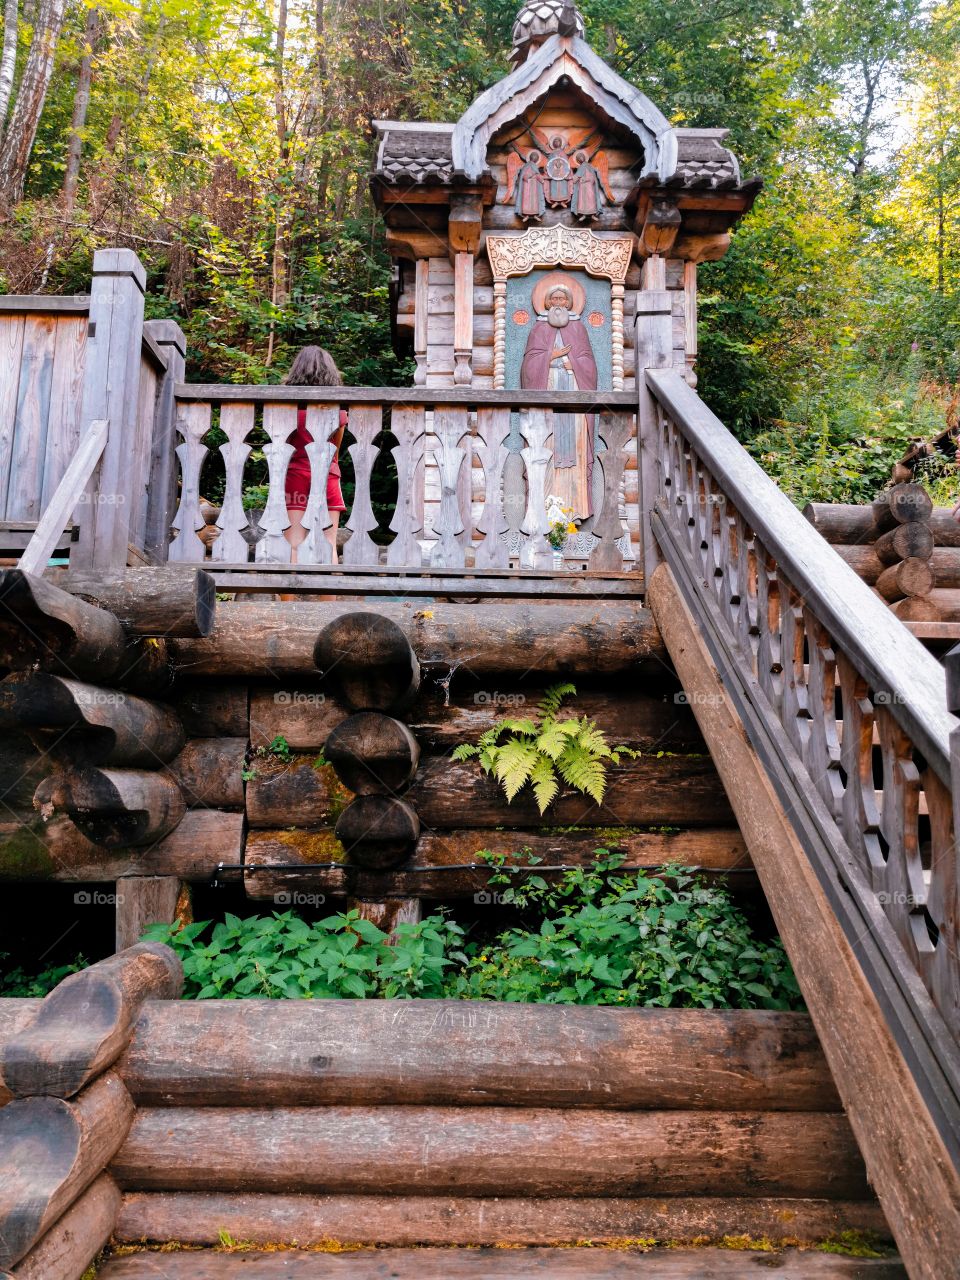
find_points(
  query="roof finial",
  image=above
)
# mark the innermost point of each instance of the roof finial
(540, 19)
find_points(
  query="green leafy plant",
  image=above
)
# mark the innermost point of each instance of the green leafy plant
(282, 955)
(546, 751)
(18, 983)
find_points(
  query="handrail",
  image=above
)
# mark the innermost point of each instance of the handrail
(229, 392)
(880, 645)
(845, 710)
(66, 496)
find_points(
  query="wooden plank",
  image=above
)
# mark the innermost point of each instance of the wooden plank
(142, 901)
(534, 585)
(915, 1178)
(674, 790)
(64, 426)
(601, 637)
(364, 426)
(141, 454)
(52, 1151)
(86, 1021)
(69, 492)
(67, 1249)
(19, 303)
(406, 1220)
(490, 1151)
(448, 1053)
(32, 415)
(581, 401)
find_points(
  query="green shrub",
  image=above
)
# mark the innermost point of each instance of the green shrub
(600, 938)
(15, 982)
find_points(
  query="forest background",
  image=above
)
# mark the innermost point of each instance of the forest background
(228, 143)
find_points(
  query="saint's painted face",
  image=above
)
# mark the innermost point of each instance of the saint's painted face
(559, 306)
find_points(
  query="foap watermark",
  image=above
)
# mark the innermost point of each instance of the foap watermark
(101, 499)
(489, 898)
(90, 697)
(698, 699)
(887, 698)
(96, 898)
(494, 698)
(296, 698)
(294, 898)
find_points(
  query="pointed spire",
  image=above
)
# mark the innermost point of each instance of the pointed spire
(540, 19)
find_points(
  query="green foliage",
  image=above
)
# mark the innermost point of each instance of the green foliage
(283, 956)
(545, 751)
(15, 982)
(630, 939)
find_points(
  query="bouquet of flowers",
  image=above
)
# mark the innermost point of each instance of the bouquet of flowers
(559, 524)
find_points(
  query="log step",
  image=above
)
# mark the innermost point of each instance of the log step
(490, 1264)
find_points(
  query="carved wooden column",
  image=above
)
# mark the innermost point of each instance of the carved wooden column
(616, 336)
(463, 319)
(499, 334)
(420, 320)
(690, 320)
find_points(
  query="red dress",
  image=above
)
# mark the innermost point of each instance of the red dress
(298, 472)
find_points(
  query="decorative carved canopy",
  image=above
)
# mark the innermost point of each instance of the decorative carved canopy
(512, 255)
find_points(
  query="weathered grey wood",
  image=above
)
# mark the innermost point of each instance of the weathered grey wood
(530, 586)
(14, 304)
(908, 578)
(654, 351)
(536, 426)
(193, 423)
(68, 493)
(63, 423)
(66, 1250)
(902, 504)
(142, 901)
(86, 724)
(279, 422)
(43, 625)
(25, 485)
(368, 662)
(891, 1119)
(889, 657)
(582, 401)
(236, 422)
(114, 808)
(365, 423)
(31, 849)
(323, 422)
(601, 637)
(83, 1025)
(450, 426)
(493, 427)
(52, 1151)
(491, 1151)
(158, 600)
(11, 350)
(914, 539)
(209, 772)
(839, 522)
(447, 1053)
(162, 481)
(408, 424)
(213, 708)
(405, 1220)
(615, 431)
(373, 753)
(110, 391)
(378, 831)
(616, 1263)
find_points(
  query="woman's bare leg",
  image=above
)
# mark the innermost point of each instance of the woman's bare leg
(331, 533)
(296, 533)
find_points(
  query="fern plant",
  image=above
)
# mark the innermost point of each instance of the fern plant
(545, 751)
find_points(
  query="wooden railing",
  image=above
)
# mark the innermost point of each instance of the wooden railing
(848, 714)
(471, 471)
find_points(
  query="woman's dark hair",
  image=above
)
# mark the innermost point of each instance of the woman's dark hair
(313, 367)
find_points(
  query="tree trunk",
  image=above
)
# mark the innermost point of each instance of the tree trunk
(81, 103)
(8, 59)
(21, 130)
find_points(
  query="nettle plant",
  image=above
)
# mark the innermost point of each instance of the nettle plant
(546, 751)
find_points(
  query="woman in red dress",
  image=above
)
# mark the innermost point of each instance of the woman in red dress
(313, 367)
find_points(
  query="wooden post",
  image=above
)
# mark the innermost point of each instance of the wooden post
(654, 342)
(142, 901)
(420, 320)
(162, 484)
(690, 320)
(111, 386)
(463, 319)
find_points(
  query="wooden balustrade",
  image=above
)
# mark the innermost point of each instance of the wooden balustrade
(847, 713)
(445, 437)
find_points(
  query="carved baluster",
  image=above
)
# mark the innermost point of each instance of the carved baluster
(615, 430)
(364, 426)
(279, 422)
(795, 714)
(499, 333)
(860, 817)
(408, 424)
(770, 624)
(822, 755)
(236, 423)
(747, 629)
(942, 966)
(535, 429)
(906, 890)
(450, 426)
(493, 427)
(323, 421)
(193, 423)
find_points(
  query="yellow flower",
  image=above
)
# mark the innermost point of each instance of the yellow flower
(571, 528)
